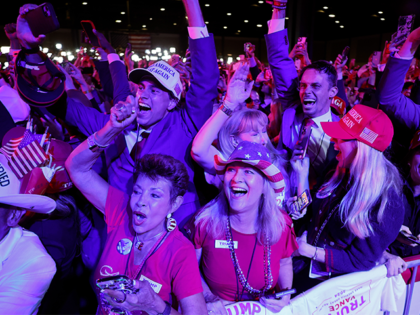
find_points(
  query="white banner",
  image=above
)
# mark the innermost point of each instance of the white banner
(369, 292)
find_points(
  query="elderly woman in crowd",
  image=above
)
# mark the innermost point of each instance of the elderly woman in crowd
(243, 240)
(229, 126)
(143, 241)
(358, 212)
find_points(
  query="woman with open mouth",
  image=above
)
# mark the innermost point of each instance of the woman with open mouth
(145, 253)
(243, 239)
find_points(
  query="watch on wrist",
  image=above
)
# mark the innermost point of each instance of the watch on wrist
(167, 309)
(93, 146)
(226, 109)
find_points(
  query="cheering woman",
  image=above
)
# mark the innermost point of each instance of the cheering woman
(243, 240)
(358, 213)
(229, 126)
(143, 241)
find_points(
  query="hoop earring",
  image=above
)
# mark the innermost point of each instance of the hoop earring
(170, 223)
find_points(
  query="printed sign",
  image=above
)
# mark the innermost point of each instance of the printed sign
(155, 286)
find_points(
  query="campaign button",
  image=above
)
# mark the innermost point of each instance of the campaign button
(124, 246)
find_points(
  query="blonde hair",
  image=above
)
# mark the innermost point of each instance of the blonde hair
(372, 176)
(243, 121)
(270, 221)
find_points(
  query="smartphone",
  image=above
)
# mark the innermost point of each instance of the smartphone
(42, 20)
(405, 25)
(249, 48)
(409, 237)
(301, 42)
(120, 283)
(66, 66)
(301, 203)
(279, 295)
(376, 58)
(303, 142)
(345, 52)
(88, 28)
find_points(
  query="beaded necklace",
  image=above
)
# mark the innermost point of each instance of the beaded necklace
(267, 268)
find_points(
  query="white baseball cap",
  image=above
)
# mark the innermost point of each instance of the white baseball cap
(163, 72)
(9, 192)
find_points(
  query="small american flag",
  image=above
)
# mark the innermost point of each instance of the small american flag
(24, 153)
(368, 135)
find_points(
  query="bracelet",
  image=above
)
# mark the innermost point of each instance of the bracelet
(99, 145)
(314, 257)
(226, 109)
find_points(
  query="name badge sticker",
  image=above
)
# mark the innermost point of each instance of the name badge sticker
(224, 244)
(155, 286)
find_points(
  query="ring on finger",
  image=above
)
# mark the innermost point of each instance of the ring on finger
(121, 300)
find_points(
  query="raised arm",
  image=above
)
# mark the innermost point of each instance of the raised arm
(204, 68)
(282, 66)
(392, 101)
(203, 151)
(79, 163)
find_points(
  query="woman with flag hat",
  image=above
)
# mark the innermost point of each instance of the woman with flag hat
(243, 240)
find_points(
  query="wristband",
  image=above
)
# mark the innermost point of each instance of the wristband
(280, 5)
(226, 109)
(167, 309)
(92, 144)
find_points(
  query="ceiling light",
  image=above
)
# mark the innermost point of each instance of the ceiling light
(382, 19)
(321, 11)
(84, 3)
(260, 1)
(117, 21)
(174, 23)
(341, 26)
(207, 22)
(331, 15)
(239, 31)
(162, 9)
(225, 27)
(380, 12)
(246, 21)
(337, 21)
(143, 26)
(287, 18)
(229, 13)
(151, 19)
(259, 25)
(122, 12)
(325, 8)
(207, 5)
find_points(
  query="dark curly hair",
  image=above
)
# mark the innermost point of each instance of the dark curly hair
(156, 166)
(322, 66)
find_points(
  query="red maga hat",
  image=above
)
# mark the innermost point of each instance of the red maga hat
(368, 125)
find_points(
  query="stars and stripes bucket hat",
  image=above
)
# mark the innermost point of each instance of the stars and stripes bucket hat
(257, 156)
(366, 124)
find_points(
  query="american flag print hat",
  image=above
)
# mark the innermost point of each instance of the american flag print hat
(257, 156)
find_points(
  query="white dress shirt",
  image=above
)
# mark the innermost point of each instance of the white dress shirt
(26, 271)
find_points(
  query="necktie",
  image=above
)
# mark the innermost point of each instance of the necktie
(138, 147)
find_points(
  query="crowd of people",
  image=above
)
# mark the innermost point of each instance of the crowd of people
(184, 186)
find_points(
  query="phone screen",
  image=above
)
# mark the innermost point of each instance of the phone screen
(304, 136)
(302, 202)
(345, 52)
(88, 28)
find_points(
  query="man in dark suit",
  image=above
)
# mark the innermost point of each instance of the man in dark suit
(307, 101)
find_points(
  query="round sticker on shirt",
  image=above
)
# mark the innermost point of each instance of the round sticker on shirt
(124, 246)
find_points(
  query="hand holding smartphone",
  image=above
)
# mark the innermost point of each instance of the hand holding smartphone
(301, 203)
(88, 28)
(42, 20)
